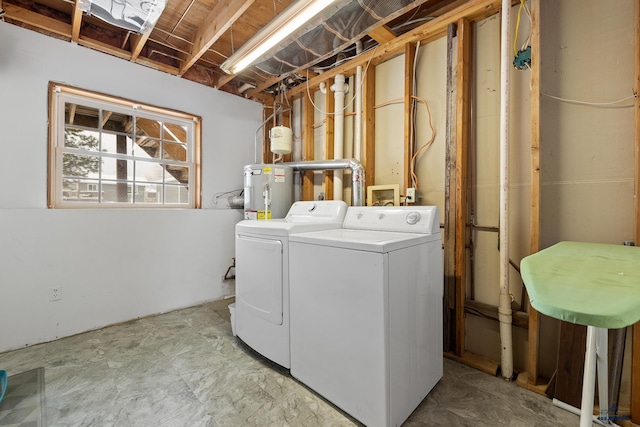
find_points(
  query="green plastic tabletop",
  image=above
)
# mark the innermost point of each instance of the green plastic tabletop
(585, 283)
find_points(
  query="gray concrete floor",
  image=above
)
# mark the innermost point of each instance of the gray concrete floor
(185, 368)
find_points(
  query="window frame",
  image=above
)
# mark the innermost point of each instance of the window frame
(59, 94)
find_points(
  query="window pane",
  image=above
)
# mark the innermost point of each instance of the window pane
(120, 192)
(148, 127)
(117, 169)
(175, 152)
(77, 165)
(176, 194)
(81, 115)
(175, 133)
(117, 144)
(80, 190)
(81, 139)
(149, 172)
(116, 122)
(149, 147)
(148, 194)
(177, 174)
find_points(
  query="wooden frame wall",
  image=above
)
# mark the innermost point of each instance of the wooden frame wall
(409, 63)
(635, 364)
(534, 244)
(308, 145)
(463, 88)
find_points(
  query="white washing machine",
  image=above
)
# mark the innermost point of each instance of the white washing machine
(366, 311)
(262, 274)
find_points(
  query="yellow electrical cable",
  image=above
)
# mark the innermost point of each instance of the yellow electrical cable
(515, 37)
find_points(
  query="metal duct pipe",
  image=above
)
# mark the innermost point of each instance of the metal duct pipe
(357, 173)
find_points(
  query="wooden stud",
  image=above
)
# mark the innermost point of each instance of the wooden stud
(76, 22)
(368, 125)
(635, 364)
(534, 244)
(409, 62)
(308, 146)
(449, 203)
(462, 146)
(328, 140)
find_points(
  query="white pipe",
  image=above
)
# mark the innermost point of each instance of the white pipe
(357, 125)
(576, 411)
(504, 310)
(339, 89)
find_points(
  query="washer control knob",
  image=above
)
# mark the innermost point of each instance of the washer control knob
(313, 207)
(413, 217)
(380, 215)
(359, 215)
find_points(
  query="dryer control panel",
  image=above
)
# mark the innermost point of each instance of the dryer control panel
(317, 211)
(407, 219)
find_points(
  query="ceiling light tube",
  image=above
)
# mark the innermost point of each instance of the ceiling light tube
(276, 31)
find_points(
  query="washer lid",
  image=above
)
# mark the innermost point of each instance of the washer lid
(280, 227)
(364, 240)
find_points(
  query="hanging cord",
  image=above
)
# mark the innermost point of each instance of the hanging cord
(433, 132)
(358, 89)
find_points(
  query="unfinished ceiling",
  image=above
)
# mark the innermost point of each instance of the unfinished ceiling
(192, 38)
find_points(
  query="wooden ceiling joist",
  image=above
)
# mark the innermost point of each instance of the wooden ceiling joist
(217, 22)
(37, 20)
(382, 34)
(76, 22)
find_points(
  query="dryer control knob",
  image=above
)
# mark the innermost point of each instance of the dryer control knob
(313, 207)
(413, 217)
(381, 216)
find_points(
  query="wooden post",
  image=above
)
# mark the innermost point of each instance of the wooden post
(462, 145)
(534, 244)
(368, 125)
(328, 141)
(308, 146)
(450, 203)
(635, 363)
(409, 62)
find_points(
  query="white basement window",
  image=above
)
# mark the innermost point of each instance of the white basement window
(110, 152)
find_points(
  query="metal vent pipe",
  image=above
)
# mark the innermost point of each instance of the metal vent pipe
(357, 173)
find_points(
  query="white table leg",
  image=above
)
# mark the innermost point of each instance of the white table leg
(602, 349)
(589, 380)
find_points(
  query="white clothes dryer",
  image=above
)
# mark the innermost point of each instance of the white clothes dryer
(262, 274)
(366, 311)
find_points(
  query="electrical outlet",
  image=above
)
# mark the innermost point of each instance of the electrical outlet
(411, 195)
(55, 293)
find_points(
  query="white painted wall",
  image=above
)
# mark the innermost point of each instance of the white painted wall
(113, 265)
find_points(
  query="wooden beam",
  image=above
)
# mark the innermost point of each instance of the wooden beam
(40, 21)
(382, 34)
(534, 243)
(635, 364)
(76, 22)
(472, 10)
(449, 302)
(520, 319)
(463, 89)
(308, 146)
(137, 43)
(368, 126)
(329, 109)
(215, 24)
(409, 62)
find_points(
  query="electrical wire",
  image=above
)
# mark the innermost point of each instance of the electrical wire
(433, 132)
(593, 104)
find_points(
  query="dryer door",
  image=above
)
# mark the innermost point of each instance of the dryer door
(259, 277)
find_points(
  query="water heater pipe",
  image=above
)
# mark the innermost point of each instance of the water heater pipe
(357, 173)
(357, 126)
(504, 309)
(339, 89)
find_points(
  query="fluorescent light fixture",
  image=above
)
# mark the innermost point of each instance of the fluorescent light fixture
(277, 30)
